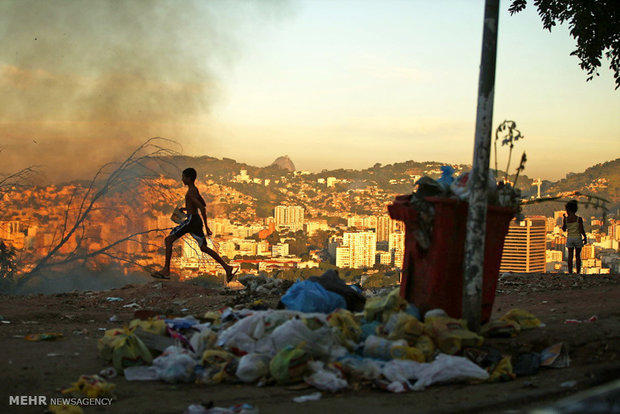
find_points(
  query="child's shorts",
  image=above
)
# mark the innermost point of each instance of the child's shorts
(574, 243)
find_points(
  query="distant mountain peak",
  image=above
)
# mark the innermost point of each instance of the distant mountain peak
(284, 162)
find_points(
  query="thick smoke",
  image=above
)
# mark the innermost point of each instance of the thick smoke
(84, 82)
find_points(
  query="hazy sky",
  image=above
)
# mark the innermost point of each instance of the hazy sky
(329, 83)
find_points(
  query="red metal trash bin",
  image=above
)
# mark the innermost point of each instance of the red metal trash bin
(434, 278)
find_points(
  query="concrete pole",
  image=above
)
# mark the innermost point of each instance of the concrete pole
(476, 217)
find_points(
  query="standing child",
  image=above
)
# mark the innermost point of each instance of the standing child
(194, 203)
(576, 237)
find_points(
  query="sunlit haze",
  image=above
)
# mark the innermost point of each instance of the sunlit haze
(332, 84)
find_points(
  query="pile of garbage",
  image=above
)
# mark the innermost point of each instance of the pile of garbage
(327, 335)
(260, 292)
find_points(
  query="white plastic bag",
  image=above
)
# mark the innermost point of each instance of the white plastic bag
(174, 365)
(318, 342)
(445, 368)
(324, 379)
(253, 367)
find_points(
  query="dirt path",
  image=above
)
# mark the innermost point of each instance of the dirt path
(41, 368)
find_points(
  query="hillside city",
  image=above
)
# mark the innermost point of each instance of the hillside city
(289, 223)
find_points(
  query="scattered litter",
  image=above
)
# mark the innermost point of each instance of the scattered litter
(315, 396)
(253, 367)
(54, 354)
(324, 379)
(593, 318)
(48, 336)
(383, 343)
(113, 318)
(113, 299)
(5, 322)
(90, 386)
(568, 384)
(556, 356)
(109, 373)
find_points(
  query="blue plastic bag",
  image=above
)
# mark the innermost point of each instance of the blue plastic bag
(308, 296)
(446, 175)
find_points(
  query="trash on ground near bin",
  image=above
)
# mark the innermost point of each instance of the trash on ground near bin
(315, 396)
(47, 336)
(556, 356)
(90, 386)
(310, 296)
(386, 346)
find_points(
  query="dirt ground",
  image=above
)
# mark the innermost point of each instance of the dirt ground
(42, 368)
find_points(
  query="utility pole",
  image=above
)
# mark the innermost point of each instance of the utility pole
(477, 214)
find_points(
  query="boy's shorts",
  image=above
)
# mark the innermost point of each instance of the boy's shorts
(574, 243)
(193, 226)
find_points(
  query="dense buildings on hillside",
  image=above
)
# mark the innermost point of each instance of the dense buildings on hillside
(289, 221)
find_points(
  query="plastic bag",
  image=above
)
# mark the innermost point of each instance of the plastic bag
(218, 366)
(381, 348)
(501, 328)
(308, 296)
(106, 343)
(201, 341)
(525, 319)
(289, 365)
(90, 386)
(446, 368)
(426, 345)
(347, 328)
(319, 342)
(324, 379)
(451, 334)
(253, 367)
(251, 334)
(154, 326)
(130, 351)
(356, 366)
(381, 308)
(502, 371)
(175, 365)
(404, 326)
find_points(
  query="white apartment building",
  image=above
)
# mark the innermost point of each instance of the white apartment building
(290, 217)
(280, 249)
(396, 247)
(358, 250)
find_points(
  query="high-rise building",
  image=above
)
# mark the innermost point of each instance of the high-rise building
(384, 228)
(343, 256)
(280, 249)
(360, 247)
(290, 217)
(397, 248)
(559, 217)
(524, 248)
(588, 252)
(384, 258)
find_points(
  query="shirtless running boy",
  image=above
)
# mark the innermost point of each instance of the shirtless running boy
(192, 225)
